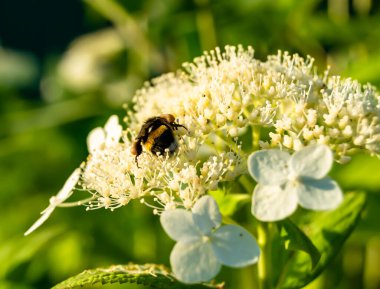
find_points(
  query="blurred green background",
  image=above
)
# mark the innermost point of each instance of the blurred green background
(66, 66)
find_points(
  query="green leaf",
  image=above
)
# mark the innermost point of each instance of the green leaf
(152, 275)
(229, 203)
(329, 231)
(296, 240)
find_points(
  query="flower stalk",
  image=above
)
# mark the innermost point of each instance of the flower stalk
(264, 266)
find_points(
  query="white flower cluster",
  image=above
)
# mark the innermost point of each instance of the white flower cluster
(223, 99)
(222, 93)
(112, 175)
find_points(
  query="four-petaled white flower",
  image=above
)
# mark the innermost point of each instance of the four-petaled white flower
(55, 201)
(203, 245)
(285, 181)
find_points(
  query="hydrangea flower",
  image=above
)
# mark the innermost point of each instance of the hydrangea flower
(285, 181)
(57, 200)
(219, 97)
(203, 245)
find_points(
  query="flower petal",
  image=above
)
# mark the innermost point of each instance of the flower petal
(96, 139)
(206, 214)
(46, 213)
(179, 225)
(67, 188)
(62, 196)
(113, 131)
(235, 247)
(324, 194)
(313, 161)
(269, 167)
(272, 203)
(194, 262)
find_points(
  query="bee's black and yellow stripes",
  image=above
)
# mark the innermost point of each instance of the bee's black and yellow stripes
(154, 136)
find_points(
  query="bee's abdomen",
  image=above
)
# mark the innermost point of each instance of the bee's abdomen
(160, 139)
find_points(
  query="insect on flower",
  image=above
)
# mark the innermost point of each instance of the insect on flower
(156, 135)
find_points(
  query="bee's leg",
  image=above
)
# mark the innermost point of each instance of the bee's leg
(137, 162)
(136, 150)
(177, 125)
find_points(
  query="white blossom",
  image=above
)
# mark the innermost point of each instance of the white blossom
(203, 245)
(102, 138)
(285, 181)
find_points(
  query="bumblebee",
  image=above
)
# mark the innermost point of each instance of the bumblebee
(156, 135)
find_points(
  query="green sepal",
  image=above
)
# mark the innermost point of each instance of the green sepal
(152, 275)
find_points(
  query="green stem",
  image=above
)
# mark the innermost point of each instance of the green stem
(256, 137)
(264, 266)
